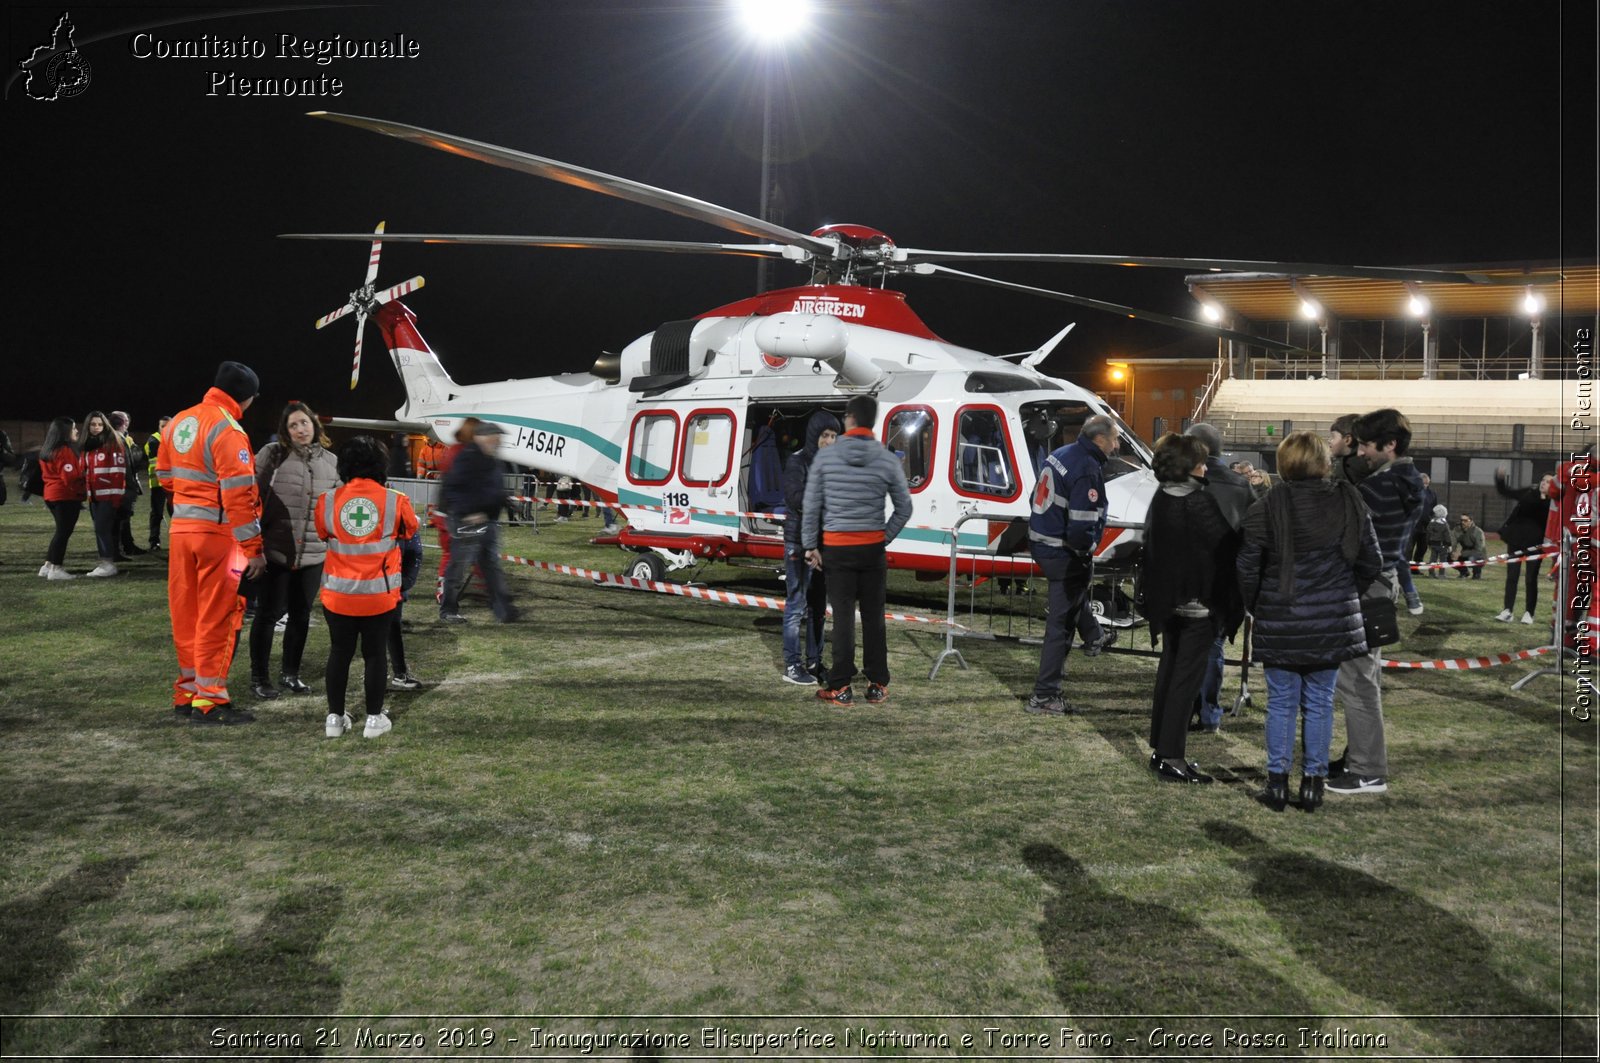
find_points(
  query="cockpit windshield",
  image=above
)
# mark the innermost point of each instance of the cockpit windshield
(1050, 424)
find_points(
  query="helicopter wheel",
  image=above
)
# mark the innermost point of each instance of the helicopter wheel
(647, 565)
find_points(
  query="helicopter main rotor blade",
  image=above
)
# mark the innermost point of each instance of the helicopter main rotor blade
(930, 269)
(1229, 265)
(590, 243)
(355, 366)
(591, 180)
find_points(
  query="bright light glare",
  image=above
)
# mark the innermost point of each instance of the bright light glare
(1309, 310)
(1532, 304)
(1211, 312)
(1418, 306)
(772, 21)
(1118, 375)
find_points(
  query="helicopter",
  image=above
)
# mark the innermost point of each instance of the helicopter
(681, 429)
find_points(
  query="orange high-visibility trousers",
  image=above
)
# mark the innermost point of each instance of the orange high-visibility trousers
(207, 611)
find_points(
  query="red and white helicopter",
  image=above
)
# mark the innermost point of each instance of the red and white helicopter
(687, 419)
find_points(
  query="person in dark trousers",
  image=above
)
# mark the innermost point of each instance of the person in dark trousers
(64, 492)
(1419, 538)
(474, 495)
(806, 600)
(1393, 494)
(160, 503)
(1190, 594)
(410, 568)
(1308, 550)
(1234, 497)
(362, 523)
(1469, 546)
(136, 463)
(1522, 531)
(845, 534)
(1068, 516)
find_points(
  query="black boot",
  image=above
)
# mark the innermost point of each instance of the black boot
(262, 688)
(1276, 795)
(1310, 792)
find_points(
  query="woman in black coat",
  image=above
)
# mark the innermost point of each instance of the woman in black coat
(1309, 549)
(1188, 591)
(1523, 530)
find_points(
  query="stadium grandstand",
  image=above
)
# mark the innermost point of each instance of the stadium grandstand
(1489, 371)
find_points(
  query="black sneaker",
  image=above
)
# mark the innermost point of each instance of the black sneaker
(181, 712)
(223, 715)
(264, 689)
(1351, 783)
(843, 697)
(877, 694)
(1336, 767)
(1041, 705)
(293, 685)
(820, 671)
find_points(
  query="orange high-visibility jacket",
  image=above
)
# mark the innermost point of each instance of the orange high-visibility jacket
(362, 523)
(206, 466)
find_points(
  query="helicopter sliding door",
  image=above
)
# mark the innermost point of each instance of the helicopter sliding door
(772, 438)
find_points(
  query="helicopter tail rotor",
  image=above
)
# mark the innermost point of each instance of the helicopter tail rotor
(364, 300)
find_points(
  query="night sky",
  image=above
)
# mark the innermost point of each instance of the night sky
(141, 226)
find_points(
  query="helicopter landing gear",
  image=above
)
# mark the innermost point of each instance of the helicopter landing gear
(647, 565)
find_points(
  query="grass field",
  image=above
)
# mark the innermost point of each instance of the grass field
(613, 817)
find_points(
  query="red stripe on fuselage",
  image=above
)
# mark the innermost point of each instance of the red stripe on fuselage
(873, 307)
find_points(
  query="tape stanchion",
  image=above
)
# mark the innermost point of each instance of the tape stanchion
(1461, 664)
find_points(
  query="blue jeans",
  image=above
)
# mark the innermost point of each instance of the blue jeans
(1208, 703)
(1403, 573)
(1290, 693)
(803, 609)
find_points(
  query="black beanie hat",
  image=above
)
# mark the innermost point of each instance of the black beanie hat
(238, 380)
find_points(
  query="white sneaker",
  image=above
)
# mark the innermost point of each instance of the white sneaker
(282, 624)
(337, 725)
(612, 529)
(44, 569)
(57, 572)
(377, 724)
(1504, 616)
(104, 568)
(1527, 618)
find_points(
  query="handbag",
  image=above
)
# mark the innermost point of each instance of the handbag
(1381, 619)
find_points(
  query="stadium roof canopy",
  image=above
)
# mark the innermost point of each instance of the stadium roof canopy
(1566, 289)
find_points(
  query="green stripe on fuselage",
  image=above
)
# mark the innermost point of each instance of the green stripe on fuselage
(599, 444)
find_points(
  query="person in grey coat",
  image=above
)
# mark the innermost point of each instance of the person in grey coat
(844, 532)
(290, 473)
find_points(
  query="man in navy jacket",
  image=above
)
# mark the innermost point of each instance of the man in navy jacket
(1068, 517)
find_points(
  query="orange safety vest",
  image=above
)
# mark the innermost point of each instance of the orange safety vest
(428, 461)
(206, 467)
(362, 523)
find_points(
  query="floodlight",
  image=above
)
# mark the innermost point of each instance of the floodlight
(1211, 311)
(771, 21)
(1309, 310)
(1532, 303)
(1418, 305)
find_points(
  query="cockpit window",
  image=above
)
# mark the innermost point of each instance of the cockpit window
(1049, 425)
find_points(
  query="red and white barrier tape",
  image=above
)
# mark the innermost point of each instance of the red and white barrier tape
(777, 517)
(1460, 664)
(1516, 557)
(755, 601)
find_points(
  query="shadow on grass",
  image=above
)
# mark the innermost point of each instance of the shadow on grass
(33, 931)
(1394, 948)
(274, 971)
(1112, 960)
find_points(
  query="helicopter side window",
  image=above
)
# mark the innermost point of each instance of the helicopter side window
(707, 448)
(984, 466)
(910, 432)
(1067, 420)
(650, 447)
